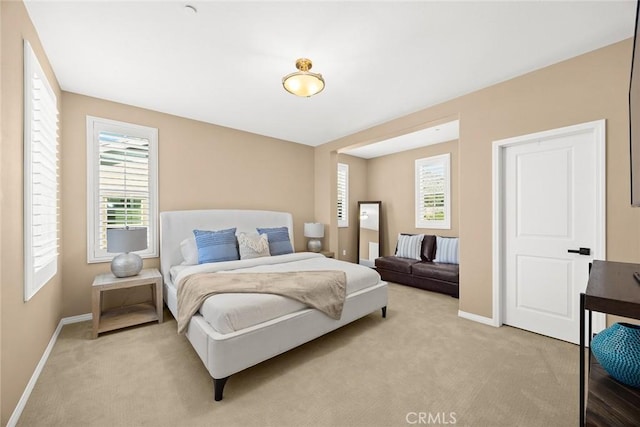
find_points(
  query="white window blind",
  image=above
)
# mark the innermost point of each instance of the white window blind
(122, 186)
(433, 196)
(40, 176)
(343, 195)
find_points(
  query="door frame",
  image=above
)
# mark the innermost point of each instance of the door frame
(598, 128)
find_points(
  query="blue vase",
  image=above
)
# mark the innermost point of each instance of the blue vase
(617, 349)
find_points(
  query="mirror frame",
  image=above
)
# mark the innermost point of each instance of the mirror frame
(373, 202)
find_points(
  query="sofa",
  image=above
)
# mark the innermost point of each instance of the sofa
(424, 273)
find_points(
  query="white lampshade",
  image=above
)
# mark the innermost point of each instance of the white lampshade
(313, 229)
(126, 239)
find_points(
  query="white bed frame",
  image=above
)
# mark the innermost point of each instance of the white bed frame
(226, 354)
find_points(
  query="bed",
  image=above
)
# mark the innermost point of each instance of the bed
(232, 332)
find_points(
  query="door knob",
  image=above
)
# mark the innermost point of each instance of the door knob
(581, 251)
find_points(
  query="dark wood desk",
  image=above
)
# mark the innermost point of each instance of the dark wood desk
(613, 290)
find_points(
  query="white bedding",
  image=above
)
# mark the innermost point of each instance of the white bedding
(224, 354)
(232, 312)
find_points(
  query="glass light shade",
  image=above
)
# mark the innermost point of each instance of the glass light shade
(126, 239)
(303, 82)
(313, 229)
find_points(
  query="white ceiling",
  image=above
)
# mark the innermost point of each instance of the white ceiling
(429, 136)
(380, 60)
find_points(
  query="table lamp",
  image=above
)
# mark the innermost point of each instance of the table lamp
(315, 231)
(126, 240)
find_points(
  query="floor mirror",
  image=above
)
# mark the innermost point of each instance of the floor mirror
(368, 232)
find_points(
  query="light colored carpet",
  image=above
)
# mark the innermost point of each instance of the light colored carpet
(421, 361)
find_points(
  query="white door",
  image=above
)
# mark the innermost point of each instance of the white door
(551, 209)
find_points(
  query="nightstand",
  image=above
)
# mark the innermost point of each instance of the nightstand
(135, 314)
(328, 254)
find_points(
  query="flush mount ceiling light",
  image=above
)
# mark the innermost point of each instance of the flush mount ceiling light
(303, 82)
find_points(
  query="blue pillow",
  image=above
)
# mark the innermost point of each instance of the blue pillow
(216, 246)
(279, 241)
(446, 250)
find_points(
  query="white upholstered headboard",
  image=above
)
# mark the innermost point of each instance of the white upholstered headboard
(175, 226)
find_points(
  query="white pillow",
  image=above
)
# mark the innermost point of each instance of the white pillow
(253, 245)
(446, 250)
(409, 246)
(189, 251)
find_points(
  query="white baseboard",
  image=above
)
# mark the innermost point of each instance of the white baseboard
(76, 319)
(476, 318)
(15, 416)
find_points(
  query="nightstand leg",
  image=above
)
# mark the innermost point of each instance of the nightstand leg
(97, 308)
(158, 300)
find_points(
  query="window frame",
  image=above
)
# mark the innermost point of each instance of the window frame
(443, 160)
(344, 221)
(95, 125)
(36, 277)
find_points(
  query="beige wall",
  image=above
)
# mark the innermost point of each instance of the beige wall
(391, 180)
(27, 327)
(200, 166)
(589, 87)
(347, 236)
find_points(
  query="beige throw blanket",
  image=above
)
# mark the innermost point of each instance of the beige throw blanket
(323, 290)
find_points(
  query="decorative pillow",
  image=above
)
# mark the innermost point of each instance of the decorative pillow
(253, 245)
(409, 246)
(189, 251)
(279, 241)
(446, 250)
(216, 246)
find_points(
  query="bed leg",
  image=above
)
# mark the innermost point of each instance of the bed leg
(218, 386)
(384, 312)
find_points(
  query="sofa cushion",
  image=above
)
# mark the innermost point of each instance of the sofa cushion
(409, 246)
(428, 251)
(433, 270)
(428, 247)
(447, 250)
(394, 263)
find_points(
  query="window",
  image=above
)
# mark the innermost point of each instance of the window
(433, 192)
(343, 195)
(121, 183)
(40, 177)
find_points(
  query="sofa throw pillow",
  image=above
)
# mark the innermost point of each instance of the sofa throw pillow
(189, 251)
(253, 245)
(409, 246)
(279, 241)
(446, 250)
(216, 246)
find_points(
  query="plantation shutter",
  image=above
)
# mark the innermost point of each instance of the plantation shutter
(431, 176)
(432, 192)
(122, 183)
(124, 195)
(40, 176)
(343, 195)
